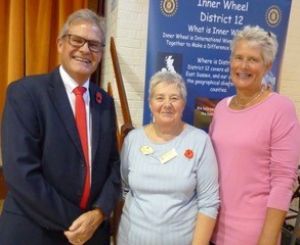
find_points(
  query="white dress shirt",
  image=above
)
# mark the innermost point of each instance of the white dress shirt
(70, 84)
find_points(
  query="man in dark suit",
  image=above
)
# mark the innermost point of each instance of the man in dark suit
(60, 158)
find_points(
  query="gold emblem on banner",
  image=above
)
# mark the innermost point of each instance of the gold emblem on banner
(168, 7)
(273, 15)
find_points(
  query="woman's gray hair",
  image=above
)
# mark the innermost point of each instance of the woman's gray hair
(168, 77)
(265, 40)
(85, 15)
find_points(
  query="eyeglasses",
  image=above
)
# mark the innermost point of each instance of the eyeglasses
(78, 42)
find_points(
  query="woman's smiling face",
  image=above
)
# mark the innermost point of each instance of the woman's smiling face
(247, 66)
(166, 103)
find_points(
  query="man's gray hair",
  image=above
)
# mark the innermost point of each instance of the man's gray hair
(85, 15)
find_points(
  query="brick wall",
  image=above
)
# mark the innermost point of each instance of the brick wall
(290, 70)
(127, 23)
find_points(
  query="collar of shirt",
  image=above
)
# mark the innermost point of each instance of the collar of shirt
(70, 84)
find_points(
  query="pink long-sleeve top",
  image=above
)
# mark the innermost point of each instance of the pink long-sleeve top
(258, 151)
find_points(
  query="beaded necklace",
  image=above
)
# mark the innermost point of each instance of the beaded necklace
(255, 97)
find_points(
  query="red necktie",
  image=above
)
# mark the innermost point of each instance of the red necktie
(80, 117)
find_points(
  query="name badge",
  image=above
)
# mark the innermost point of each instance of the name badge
(168, 156)
(146, 150)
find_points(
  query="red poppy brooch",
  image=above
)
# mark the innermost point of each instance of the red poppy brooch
(189, 154)
(98, 97)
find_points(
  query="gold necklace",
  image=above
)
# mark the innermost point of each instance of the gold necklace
(255, 97)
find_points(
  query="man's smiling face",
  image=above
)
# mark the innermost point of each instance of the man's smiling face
(80, 63)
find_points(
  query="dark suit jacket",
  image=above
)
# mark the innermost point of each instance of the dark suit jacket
(43, 162)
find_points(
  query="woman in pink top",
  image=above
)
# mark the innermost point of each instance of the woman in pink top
(256, 136)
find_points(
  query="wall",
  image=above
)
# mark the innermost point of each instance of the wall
(290, 70)
(127, 22)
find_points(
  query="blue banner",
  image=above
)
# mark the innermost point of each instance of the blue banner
(192, 37)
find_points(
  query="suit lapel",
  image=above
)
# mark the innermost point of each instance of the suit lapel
(95, 114)
(61, 102)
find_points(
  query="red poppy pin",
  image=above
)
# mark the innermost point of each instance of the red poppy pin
(98, 97)
(189, 154)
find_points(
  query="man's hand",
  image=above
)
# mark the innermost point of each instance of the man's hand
(83, 228)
